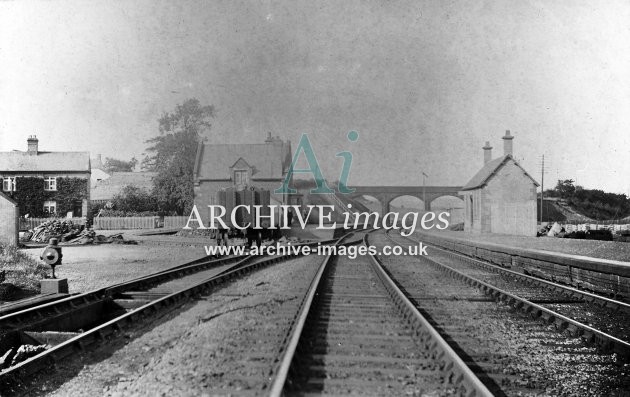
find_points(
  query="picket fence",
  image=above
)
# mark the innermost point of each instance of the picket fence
(127, 222)
(175, 221)
(138, 222)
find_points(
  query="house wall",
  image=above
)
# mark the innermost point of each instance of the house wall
(52, 195)
(505, 205)
(9, 225)
(510, 204)
(206, 193)
(475, 211)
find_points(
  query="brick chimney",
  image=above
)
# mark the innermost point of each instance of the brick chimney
(507, 143)
(32, 142)
(487, 152)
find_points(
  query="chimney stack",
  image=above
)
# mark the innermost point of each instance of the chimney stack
(487, 152)
(32, 144)
(507, 143)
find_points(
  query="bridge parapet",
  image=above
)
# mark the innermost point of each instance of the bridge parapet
(385, 194)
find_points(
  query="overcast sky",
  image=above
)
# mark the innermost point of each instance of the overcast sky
(425, 83)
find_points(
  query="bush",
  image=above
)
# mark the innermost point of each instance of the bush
(593, 203)
(134, 199)
(22, 270)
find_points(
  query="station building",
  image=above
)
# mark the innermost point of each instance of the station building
(261, 165)
(501, 196)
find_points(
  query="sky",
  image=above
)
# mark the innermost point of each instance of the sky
(424, 83)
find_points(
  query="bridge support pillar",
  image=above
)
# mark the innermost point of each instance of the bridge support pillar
(384, 208)
(427, 206)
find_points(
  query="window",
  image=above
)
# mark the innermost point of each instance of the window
(50, 183)
(241, 177)
(50, 207)
(8, 184)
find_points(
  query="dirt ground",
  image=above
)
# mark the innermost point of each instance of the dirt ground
(95, 266)
(207, 347)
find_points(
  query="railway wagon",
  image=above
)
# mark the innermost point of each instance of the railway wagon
(249, 196)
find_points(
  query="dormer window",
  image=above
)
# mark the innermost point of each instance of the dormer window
(241, 177)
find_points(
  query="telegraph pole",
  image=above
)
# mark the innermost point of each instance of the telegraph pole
(424, 191)
(542, 188)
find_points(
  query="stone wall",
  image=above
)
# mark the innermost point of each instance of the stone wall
(511, 198)
(506, 205)
(607, 277)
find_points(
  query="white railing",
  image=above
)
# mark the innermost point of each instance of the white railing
(126, 222)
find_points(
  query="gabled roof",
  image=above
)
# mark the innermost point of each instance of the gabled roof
(267, 160)
(17, 161)
(241, 164)
(106, 189)
(489, 169)
(9, 199)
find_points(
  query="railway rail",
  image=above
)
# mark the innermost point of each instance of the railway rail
(513, 354)
(85, 320)
(357, 332)
(596, 318)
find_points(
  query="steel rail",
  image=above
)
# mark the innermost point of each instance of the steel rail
(115, 326)
(550, 285)
(455, 369)
(560, 321)
(34, 314)
(297, 327)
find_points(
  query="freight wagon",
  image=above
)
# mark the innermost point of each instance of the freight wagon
(232, 197)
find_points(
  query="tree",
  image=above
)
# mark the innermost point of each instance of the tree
(172, 155)
(134, 199)
(115, 165)
(565, 188)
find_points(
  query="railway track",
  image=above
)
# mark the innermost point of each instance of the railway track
(513, 353)
(84, 321)
(357, 333)
(598, 319)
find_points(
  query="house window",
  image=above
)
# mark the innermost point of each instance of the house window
(50, 207)
(241, 177)
(8, 184)
(50, 183)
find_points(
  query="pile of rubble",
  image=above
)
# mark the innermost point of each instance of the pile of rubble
(63, 229)
(69, 233)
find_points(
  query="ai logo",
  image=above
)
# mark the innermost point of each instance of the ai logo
(311, 159)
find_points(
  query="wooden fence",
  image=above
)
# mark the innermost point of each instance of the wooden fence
(127, 222)
(175, 221)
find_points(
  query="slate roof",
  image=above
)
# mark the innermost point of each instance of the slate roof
(268, 160)
(106, 189)
(18, 161)
(489, 169)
